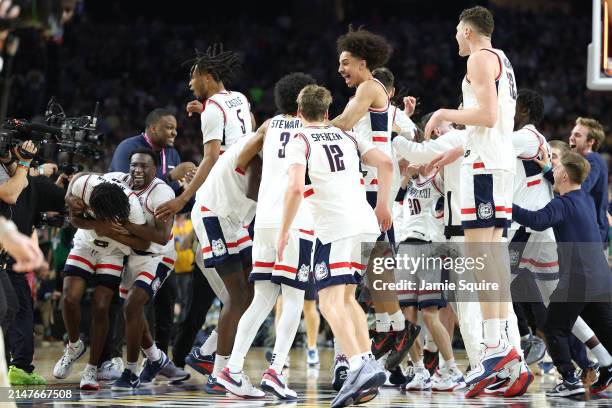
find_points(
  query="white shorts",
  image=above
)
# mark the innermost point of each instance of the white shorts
(148, 272)
(486, 196)
(104, 266)
(222, 240)
(341, 262)
(295, 267)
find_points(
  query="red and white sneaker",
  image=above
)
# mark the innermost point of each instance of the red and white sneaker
(493, 360)
(276, 384)
(238, 384)
(89, 380)
(520, 379)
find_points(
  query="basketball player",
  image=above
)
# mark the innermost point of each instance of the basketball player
(145, 272)
(98, 252)
(489, 97)
(329, 160)
(272, 277)
(367, 113)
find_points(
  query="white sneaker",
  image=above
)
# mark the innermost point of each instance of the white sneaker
(71, 354)
(89, 380)
(276, 384)
(108, 371)
(118, 364)
(312, 357)
(420, 382)
(238, 384)
(450, 379)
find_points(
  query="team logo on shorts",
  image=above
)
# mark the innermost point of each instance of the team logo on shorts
(514, 257)
(321, 271)
(303, 273)
(218, 247)
(485, 211)
(155, 285)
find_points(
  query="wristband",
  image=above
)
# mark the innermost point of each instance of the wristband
(546, 168)
(24, 163)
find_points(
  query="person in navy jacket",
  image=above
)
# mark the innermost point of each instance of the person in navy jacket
(585, 282)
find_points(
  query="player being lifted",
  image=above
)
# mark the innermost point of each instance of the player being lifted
(325, 169)
(367, 113)
(489, 98)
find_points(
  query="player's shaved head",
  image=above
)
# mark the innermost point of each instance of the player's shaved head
(313, 102)
(287, 90)
(479, 18)
(363, 44)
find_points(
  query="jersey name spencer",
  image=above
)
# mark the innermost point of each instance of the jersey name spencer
(83, 188)
(376, 127)
(226, 117)
(334, 191)
(423, 207)
(493, 146)
(224, 191)
(150, 197)
(270, 201)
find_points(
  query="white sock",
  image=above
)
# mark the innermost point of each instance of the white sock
(89, 367)
(430, 345)
(153, 353)
(220, 363)
(210, 345)
(419, 364)
(288, 323)
(264, 298)
(132, 366)
(383, 322)
(503, 327)
(337, 348)
(491, 332)
(398, 321)
(356, 362)
(601, 354)
(449, 364)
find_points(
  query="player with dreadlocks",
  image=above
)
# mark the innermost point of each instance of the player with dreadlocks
(98, 206)
(225, 118)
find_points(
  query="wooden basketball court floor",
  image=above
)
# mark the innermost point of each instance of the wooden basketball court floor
(313, 386)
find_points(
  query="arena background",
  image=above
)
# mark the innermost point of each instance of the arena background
(128, 55)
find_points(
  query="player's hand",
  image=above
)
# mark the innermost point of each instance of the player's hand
(403, 167)
(118, 229)
(29, 147)
(167, 210)
(76, 204)
(194, 106)
(181, 170)
(24, 250)
(48, 169)
(542, 158)
(384, 217)
(283, 240)
(442, 160)
(410, 103)
(432, 124)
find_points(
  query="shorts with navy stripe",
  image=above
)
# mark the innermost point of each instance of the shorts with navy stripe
(294, 269)
(101, 267)
(222, 240)
(338, 262)
(486, 196)
(148, 272)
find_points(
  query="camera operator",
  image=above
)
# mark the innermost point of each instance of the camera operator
(22, 199)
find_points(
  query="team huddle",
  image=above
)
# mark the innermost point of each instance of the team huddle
(304, 206)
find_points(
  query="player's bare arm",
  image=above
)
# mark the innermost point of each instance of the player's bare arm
(376, 158)
(158, 234)
(368, 93)
(253, 146)
(482, 70)
(293, 198)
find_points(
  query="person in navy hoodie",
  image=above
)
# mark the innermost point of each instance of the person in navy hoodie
(585, 281)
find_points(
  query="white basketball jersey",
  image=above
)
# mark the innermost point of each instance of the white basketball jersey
(334, 190)
(532, 190)
(233, 124)
(224, 191)
(271, 198)
(150, 197)
(82, 188)
(376, 127)
(493, 146)
(405, 124)
(423, 208)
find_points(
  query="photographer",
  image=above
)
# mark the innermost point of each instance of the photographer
(22, 200)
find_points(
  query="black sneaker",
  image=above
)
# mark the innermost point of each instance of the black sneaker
(431, 360)
(567, 388)
(382, 342)
(604, 380)
(403, 340)
(341, 367)
(397, 377)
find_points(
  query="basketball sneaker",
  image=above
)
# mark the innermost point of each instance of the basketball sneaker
(128, 381)
(89, 379)
(420, 380)
(238, 384)
(276, 384)
(152, 368)
(108, 372)
(63, 367)
(604, 380)
(450, 379)
(382, 342)
(396, 377)
(492, 360)
(431, 360)
(402, 342)
(520, 379)
(361, 385)
(173, 373)
(17, 376)
(203, 364)
(498, 387)
(212, 387)
(312, 357)
(569, 387)
(534, 349)
(340, 370)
